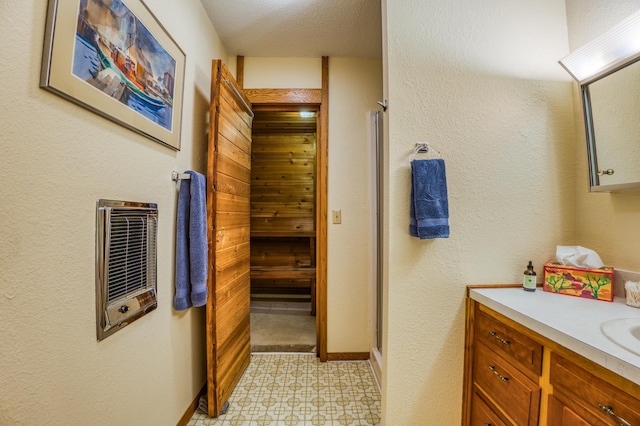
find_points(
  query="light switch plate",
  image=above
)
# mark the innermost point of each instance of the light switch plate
(337, 216)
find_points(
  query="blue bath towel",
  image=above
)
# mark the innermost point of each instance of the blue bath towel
(192, 246)
(429, 208)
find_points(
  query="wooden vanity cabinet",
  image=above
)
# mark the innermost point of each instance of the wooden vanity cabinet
(514, 376)
(505, 370)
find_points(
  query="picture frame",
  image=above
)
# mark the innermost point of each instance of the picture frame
(116, 59)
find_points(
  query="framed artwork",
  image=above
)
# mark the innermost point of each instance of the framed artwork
(114, 58)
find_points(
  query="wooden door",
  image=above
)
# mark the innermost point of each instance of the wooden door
(228, 208)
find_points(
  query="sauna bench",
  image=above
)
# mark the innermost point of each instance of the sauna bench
(294, 269)
(276, 234)
(540, 359)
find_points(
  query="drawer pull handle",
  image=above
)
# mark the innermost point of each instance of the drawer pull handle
(609, 410)
(500, 339)
(504, 379)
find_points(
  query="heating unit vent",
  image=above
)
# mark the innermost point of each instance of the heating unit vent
(125, 263)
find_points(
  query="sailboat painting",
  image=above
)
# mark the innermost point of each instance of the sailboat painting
(120, 51)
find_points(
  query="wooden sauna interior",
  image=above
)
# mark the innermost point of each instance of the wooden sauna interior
(283, 205)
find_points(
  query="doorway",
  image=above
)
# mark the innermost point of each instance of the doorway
(283, 231)
(313, 100)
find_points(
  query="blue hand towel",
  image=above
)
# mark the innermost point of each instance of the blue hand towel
(198, 243)
(181, 300)
(192, 246)
(429, 208)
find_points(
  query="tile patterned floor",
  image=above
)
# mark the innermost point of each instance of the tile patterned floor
(297, 389)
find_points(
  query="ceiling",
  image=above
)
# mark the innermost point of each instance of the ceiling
(298, 28)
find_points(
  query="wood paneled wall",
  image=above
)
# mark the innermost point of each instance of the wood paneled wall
(283, 188)
(281, 251)
(283, 197)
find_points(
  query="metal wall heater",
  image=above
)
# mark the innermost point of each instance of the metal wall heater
(126, 246)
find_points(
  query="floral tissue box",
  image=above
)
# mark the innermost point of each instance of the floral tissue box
(589, 283)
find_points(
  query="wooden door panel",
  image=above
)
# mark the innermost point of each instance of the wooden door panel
(232, 169)
(230, 256)
(232, 203)
(231, 291)
(233, 186)
(228, 365)
(235, 123)
(226, 238)
(234, 312)
(229, 132)
(226, 220)
(234, 152)
(228, 208)
(228, 97)
(231, 112)
(232, 272)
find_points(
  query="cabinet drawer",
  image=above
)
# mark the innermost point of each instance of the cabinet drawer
(594, 398)
(482, 414)
(508, 342)
(517, 395)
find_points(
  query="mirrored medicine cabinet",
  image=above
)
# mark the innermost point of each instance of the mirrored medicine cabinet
(608, 72)
(611, 107)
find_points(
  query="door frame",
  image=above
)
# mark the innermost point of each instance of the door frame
(317, 100)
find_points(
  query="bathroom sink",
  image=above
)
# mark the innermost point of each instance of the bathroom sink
(624, 332)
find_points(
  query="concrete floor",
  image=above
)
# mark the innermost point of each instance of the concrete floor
(278, 326)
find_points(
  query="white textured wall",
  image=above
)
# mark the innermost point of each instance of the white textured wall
(57, 160)
(355, 84)
(282, 73)
(604, 220)
(480, 81)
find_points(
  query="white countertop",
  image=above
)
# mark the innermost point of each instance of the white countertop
(573, 322)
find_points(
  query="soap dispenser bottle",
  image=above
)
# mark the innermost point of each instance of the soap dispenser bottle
(529, 278)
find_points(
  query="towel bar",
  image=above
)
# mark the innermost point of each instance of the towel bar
(175, 176)
(421, 148)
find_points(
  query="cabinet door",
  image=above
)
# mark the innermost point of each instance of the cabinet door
(561, 415)
(597, 400)
(483, 415)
